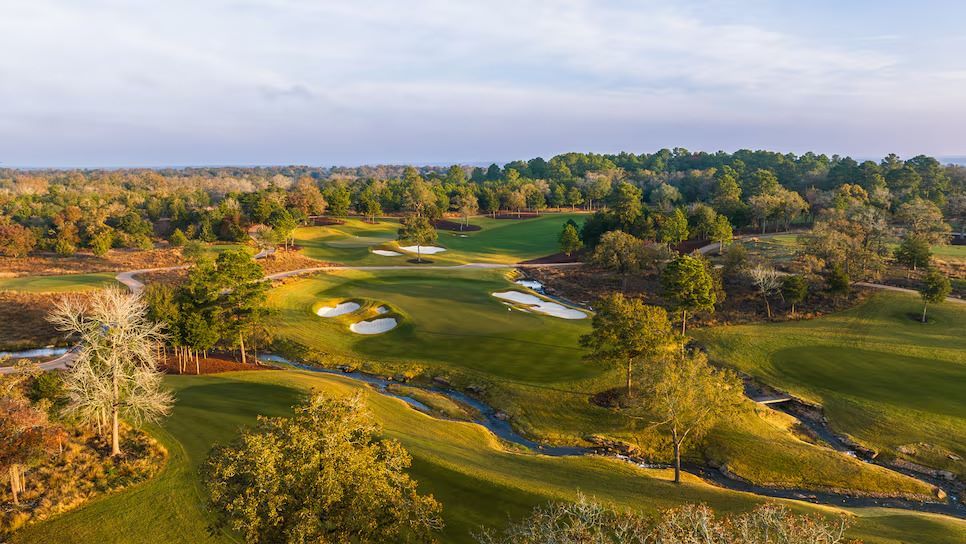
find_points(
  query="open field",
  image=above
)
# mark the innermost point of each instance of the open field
(950, 253)
(58, 284)
(462, 465)
(533, 369)
(882, 376)
(499, 241)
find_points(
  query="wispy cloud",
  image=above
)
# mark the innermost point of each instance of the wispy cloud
(223, 76)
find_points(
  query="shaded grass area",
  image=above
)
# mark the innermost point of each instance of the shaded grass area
(498, 241)
(477, 481)
(58, 284)
(533, 369)
(881, 376)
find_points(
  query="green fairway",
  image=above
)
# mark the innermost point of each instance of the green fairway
(882, 376)
(58, 284)
(499, 241)
(448, 317)
(476, 480)
(532, 368)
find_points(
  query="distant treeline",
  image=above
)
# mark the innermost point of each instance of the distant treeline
(69, 210)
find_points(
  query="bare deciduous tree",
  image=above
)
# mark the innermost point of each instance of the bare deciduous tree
(114, 374)
(768, 281)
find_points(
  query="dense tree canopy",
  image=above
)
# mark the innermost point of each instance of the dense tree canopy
(70, 210)
(321, 475)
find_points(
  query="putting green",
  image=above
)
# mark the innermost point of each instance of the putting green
(58, 284)
(882, 377)
(500, 241)
(533, 369)
(476, 480)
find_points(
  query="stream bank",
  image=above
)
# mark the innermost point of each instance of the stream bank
(496, 422)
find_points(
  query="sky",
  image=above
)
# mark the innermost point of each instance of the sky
(92, 83)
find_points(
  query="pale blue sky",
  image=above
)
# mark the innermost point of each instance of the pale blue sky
(112, 83)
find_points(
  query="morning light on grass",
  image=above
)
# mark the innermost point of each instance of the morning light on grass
(496, 273)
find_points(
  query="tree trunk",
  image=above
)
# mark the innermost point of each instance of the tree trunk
(15, 483)
(684, 322)
(419, 253)
(767, 306)
(197, 364)
(924, 306)
(677, 462)
(115, 407)
(241, 344)
(630, 363)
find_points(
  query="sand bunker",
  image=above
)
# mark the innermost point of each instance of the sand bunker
(530, 284)
(540, 305)
(425, 250)
(375, 326)
(382, 310)
(338, 309)
(386, 253)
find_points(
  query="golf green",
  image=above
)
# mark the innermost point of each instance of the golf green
(882, 376)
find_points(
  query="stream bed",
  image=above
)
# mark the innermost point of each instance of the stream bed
(491, 419)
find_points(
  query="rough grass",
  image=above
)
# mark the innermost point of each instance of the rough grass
(477, 481)
(534, 370)
(58, 284)
(499, 241)
(82, 470)
(883, 377)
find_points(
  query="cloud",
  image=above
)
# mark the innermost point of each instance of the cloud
(352, 75)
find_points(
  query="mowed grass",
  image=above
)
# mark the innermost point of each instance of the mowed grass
(58, 284)
(446, 317)
(477, 481)
(500, 241)
(950, 253)
(882, 376)
(532, 367)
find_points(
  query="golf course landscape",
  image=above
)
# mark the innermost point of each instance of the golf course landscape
(477, 479)
(533, 357)
(503, 241)
(880, 375)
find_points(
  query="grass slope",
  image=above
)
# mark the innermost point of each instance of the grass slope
(882, 377)
(499, 241)
(451, 325)
(58, 284)
(477, 481)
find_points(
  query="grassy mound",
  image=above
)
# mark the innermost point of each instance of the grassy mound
(477, 481)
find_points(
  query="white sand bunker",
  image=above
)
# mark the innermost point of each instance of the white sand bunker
(540, 305)
(386, 253)
(425, 250)
(375, 326)
(382, 310)
(530, 284)
(338, 309)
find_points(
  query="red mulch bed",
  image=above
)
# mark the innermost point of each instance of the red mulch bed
(556, 258)
(326, 221)
(689, 246)
(521, 215)
(213, 364)
(443, 224)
